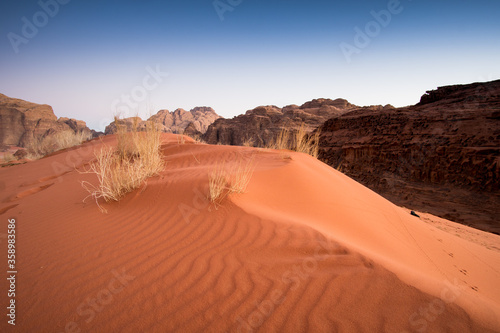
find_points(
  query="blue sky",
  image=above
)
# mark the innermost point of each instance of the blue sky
(91, 59)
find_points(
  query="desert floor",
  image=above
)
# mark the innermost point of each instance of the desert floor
(304, 249)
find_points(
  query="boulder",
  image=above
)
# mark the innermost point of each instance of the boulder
(22, 123)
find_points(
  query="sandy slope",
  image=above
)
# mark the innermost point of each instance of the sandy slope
(305, 249)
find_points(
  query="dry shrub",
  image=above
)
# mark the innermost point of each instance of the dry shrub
(127, 140)
(299, 141)
(136, 157)
(116, 176)
(305, 143)
(223, 181)
(8, 157)
(340, 167)
(148, 145)
(241, 176)
(181, 139)
(57, 141)
(282, 141)
(249, 142)
(196, 137)
(217, 184)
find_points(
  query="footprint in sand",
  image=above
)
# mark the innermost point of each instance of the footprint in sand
(6, 209)
(463, 271)
(450, 254)
(43, 179)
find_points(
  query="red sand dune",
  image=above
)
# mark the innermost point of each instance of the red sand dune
(304, 249)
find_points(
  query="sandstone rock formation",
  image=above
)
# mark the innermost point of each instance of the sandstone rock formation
(192, 132)
(22, 122)
(174, 122)
(131, 123)
(177, 121)
(441, 155)
(262, 124)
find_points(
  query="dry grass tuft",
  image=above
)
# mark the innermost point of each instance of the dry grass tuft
(305, 143)
(298, 141)
(241, 176)
(282, 140)
(217, 184)
(223, 181)
(249, 142)
(136, 157)
(8, 157)
(181, 139)
(127, 140)
(116, 176)
(340, 167)
(198, 139)
(55, 142)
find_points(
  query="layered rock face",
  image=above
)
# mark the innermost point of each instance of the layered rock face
(198, 118)
(131, 123)
(177, 121)
(22, 122)
(262, 124)
(441, 155)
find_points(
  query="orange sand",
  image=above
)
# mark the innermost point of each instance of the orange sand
(304, 249)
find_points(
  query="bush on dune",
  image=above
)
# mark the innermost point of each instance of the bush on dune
(8, 157)
(54, 142)
(299, 141)
(305, 143)
(136, 157)
(223, 181)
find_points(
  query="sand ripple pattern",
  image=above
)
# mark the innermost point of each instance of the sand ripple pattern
(221, 270)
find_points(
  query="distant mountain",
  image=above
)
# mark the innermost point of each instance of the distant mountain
(177, 121)
(262, 124)
(22, 122)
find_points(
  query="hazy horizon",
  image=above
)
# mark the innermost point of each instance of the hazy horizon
(89, 60)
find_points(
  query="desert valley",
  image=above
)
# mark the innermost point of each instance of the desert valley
(392, 225)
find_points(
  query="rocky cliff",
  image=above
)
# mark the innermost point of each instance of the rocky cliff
(22, 122)
(262, 124)
(177, 121)
(441, 155)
